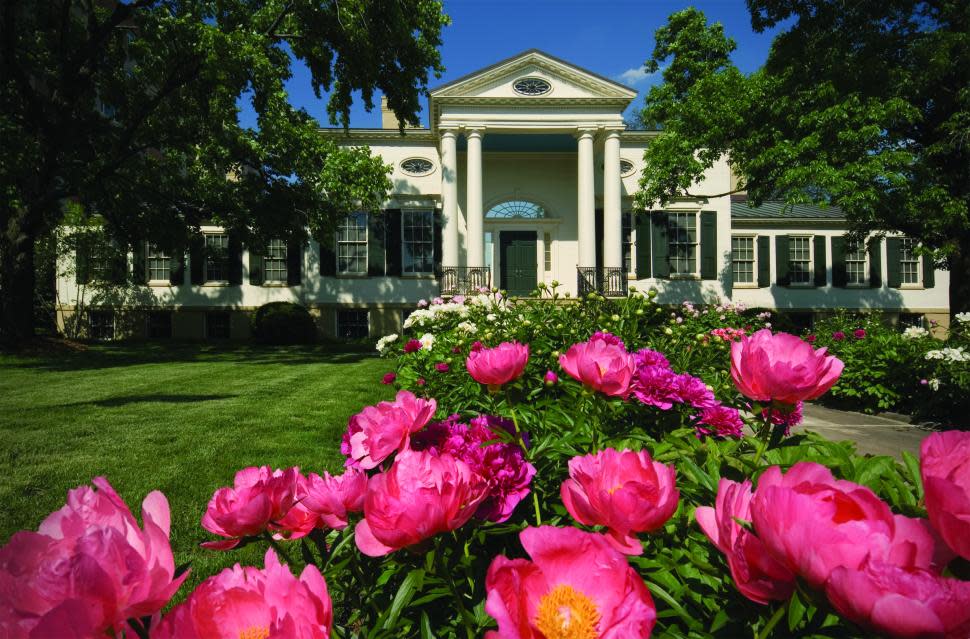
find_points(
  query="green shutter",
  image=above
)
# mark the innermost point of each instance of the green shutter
(119, 263)
(176, 269)
(839, 276)
(929, 272)
(375, 244)
(82, 258)
(328, 256)
(235, 259)
(875, 263)
(393, 240)
(820, 265)
(257, 274)
(641, 220)
(139, 267)
(782, 257)
(294, 263)
(709, 245)
(661, 250)
(764, 261)
(197, 259)
(894, 267)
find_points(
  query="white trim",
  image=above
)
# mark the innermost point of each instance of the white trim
(811, 261)
(416, 274)
(754, 261)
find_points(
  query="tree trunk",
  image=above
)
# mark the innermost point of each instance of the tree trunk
(17, 281)
(960, 278)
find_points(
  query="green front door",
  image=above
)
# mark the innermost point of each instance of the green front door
(517, 250)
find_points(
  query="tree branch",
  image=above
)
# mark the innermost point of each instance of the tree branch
(712, 196)
(272, 27)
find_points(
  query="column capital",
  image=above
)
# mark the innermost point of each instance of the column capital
(585, 131)
(450, 132)
(612, 133)
(474, 132)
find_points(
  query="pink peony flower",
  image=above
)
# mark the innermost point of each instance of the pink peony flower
(692, 390)
(576, 585)
(656, 386)
(377, 432)
(723, 421)
(497, 366)
(332, 498)
(258, 498)
(647, 357)
(756, 574)
(859, 333)
(420, 496)
(550, 378)
(782, 368)
(389, 378)
(442, 367)
(601, 364)
(812, 523)
(838, 336)
(811, 339)
(412, 346)
(89, 567)
(420, 381)
(476, 346)
(899, 602)
(249, 603)
(625, 491)
(785, 415)
(945, 469)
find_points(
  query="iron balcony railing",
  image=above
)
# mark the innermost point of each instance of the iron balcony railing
(464, 280)
(609, 282)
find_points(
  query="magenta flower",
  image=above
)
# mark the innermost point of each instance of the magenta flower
(476, 346)
(412, 346)
(377, 432)
(420, 381)
(249, 603)
(576, 585)
(420, 496)
(331, 498)
(756, 574)
(945, 469)
(389, 378)
(442, 367)
(811, 339)
(719, 420)
(647, 357)
(550, 378)
(782, 368)
(785, 415)
(258, 498)
(692, 390)
(838, 336)
(625, 491)
(497, 366)
(656, 385)
(859, 333)
(601, 363)
(89, 567)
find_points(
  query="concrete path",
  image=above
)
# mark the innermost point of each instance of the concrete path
(885, 434)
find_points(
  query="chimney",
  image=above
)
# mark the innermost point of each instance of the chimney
(388, 119)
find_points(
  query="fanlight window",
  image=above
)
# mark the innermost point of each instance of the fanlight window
(417, 166)
(516, 209)
(531, 86)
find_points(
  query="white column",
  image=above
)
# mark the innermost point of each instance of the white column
(449, 198)
(475, 250)
(612, 212)
(586, 201)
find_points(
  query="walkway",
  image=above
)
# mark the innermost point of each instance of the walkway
(884, 434)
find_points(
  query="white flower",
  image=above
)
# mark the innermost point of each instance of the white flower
(422, 303)
(962, 317)
(491, 317)
(468, 327)
(384, 341)
(427, 341)
(915, 332)
(957, 354)
(935, 384)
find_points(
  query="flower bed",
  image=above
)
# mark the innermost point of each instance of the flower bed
(577, 470)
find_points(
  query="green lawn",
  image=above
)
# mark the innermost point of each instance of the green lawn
(177, 418)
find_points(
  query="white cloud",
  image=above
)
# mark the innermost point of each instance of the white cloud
(634, 76)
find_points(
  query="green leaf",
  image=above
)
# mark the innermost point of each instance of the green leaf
(405, 592)
(796, 611)
(426, 632)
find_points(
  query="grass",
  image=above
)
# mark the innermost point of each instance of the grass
(176, 418)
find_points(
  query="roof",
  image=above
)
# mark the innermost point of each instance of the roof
(778, 210)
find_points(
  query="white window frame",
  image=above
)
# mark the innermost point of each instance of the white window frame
(696, 273)
(547, 252)
(628, 242)
(357, 242)
(205, 266)
(865, 265)
(152, 252)
(270, 258)
(754, 261)
(404, 242)
(918, 284)
(811, 261)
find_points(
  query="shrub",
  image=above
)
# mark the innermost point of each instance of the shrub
(283, 323)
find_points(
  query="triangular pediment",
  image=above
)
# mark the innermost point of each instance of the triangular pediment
(562, 80)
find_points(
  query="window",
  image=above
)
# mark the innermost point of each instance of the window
(531, 86)
(352, 244)
(274, 263)
(516, 209)
(909, 262)
(800, 260)
(628, 242)
(159, 264)
(547, 252)
(101, 325)
(353, 324)
(216, 257)
(682, 235)
(217, 325)
(856, 264)
(417, 166)
(160, 325)
(742, 259)
(417, 229)
(909, 320)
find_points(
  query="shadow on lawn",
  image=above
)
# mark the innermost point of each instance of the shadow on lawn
(139, 354)
(112, 402)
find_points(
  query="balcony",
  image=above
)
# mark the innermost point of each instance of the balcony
(464, 280)
(609, 282)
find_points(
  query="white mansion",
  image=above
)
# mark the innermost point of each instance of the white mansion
(525, 175)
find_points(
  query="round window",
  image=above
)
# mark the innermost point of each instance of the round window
(626, 168)
(531, 86)
(417, 166)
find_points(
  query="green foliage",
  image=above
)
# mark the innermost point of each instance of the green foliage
(283, 323)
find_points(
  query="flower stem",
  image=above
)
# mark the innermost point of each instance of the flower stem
(442, 569)
(770, 626)
(278, 548)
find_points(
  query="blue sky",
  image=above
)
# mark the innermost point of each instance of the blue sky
(609, 37)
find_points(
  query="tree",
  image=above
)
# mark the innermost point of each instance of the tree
(863, 104)
(130, 110)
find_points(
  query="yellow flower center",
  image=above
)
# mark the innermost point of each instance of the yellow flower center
(565, 613)
(255, 632)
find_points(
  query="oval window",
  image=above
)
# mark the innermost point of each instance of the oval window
(626, 168)
(531, 86)
(417, 166)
